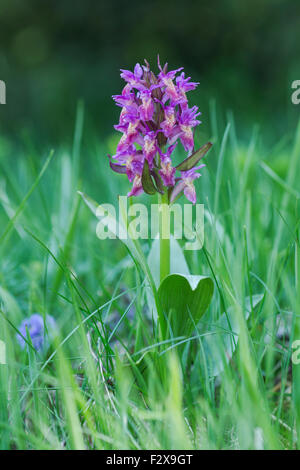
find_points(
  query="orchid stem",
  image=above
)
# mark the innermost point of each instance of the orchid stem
(164, 235)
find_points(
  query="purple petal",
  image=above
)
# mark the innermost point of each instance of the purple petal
(137, 187)
(190, 193)
(138, 71)
(177, 190)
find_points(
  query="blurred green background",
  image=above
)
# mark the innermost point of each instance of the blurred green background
(244, 53)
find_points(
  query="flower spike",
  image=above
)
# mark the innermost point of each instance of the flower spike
(155, 116)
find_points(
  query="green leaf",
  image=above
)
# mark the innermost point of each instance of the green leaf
(184, 299)
(158, 181)
(147, 182)
(193, 159)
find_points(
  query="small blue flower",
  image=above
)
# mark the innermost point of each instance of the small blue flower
(35, 325)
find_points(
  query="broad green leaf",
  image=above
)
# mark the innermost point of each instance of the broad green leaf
(158, 181)
(220, 343)
(184, 299)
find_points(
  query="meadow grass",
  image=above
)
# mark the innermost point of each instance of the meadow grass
(107, 382)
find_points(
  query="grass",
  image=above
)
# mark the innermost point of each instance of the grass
(107, 382)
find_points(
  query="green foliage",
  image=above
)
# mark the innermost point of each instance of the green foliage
(222, 378)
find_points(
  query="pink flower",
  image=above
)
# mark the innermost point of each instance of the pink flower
(187, 120)
(167, 172)
(186, 184)
(150, 147)
(169, 122)
(133, 160)
(129, 137)
(169, 88)
(147, 107)
(134, 78)
(183, 86)
(127, 98)
(137, 187)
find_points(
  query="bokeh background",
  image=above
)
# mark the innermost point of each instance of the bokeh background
(52, 53)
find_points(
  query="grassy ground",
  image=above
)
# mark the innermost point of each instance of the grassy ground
(106, 382)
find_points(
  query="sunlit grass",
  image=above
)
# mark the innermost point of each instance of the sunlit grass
(106, 382)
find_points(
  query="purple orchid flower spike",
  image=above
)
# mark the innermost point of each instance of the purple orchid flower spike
(154, 117)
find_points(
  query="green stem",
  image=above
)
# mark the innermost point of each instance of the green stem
(164, 249)
(163, 230)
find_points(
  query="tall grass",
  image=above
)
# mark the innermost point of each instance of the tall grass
(106, 383)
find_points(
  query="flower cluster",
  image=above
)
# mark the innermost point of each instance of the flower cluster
(154, 117)
(35, 327)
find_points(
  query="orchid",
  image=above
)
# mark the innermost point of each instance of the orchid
(187, 120)
(187, 183)
(167, 172)
(154, 118)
